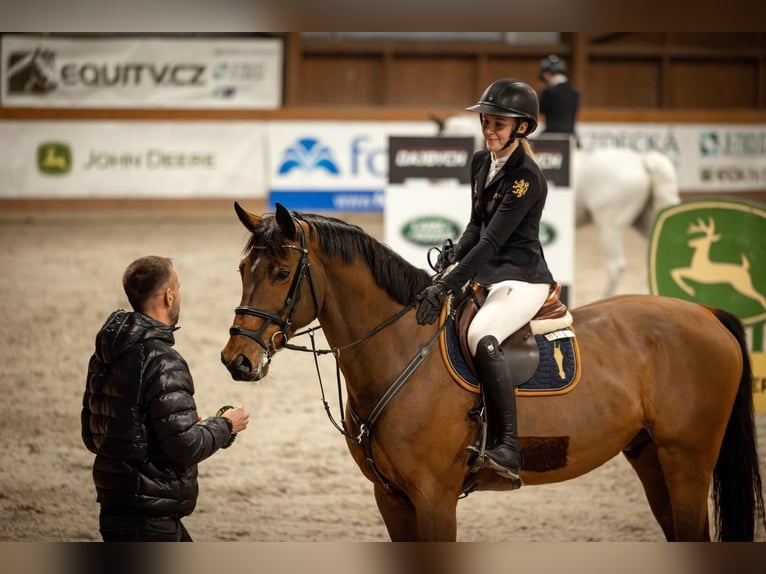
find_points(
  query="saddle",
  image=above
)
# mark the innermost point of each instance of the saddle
(520, 349)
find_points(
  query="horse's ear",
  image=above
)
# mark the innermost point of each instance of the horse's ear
(285, 222)
(248, 219)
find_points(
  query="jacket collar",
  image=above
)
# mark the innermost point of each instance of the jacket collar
(516, 158)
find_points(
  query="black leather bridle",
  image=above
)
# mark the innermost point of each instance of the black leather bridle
(284, 318)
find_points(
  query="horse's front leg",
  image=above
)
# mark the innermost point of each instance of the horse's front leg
(427, 519)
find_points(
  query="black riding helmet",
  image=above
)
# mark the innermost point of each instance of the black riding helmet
(511, 99)
(552, 64)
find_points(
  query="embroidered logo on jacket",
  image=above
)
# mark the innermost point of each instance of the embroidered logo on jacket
(520, 188)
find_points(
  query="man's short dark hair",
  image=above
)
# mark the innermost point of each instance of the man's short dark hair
(144, 277)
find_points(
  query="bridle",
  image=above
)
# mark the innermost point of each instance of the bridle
(284, 318)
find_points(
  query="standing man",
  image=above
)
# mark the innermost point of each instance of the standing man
(139, 416)
(559, 100)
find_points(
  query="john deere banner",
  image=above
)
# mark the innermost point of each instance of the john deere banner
(39, 71)
(85, 159)
(712, 251)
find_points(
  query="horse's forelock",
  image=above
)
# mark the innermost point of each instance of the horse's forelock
(266, 237)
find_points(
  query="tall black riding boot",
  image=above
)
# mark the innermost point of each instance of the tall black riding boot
(505, 454)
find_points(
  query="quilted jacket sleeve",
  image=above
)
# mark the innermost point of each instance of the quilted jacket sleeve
(172, 413)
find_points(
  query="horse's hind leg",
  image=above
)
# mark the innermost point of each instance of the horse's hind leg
(644, 461)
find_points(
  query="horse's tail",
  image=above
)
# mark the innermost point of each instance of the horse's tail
(737, 494)
(664, 188)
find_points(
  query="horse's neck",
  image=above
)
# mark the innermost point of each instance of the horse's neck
(353, 307)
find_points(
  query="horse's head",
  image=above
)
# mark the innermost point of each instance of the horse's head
(278, 294)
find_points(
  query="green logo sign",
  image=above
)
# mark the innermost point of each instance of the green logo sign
(712, 251)
(54, 158)
(430, 231)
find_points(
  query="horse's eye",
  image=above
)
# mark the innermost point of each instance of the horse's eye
(282, 275)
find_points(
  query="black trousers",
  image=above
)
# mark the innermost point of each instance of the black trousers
(132, 528)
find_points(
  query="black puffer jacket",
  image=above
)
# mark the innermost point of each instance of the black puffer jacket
(140, 419)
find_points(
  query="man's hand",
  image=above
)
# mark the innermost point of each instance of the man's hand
(239, 418)
(431, 300)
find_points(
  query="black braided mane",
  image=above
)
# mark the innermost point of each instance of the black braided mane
(349, 243)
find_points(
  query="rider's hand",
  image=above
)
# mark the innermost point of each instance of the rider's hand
(431, 300)
(446, 256)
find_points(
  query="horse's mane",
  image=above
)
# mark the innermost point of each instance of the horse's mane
(349, 243)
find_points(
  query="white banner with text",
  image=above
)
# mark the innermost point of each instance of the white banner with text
(70, 159)
(39, 72)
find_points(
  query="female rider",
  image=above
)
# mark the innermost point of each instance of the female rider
(500, 249)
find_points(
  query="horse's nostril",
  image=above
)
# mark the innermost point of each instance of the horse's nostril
(240, 366)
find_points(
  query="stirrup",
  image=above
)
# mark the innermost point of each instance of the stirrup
(503, 471)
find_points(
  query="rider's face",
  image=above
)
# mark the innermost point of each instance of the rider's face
(497, 130)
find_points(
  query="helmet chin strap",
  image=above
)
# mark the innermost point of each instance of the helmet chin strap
(514, 134)
(510, 140)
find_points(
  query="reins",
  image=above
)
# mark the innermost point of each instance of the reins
(364, 438)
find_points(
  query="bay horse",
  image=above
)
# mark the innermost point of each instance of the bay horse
(664, 381)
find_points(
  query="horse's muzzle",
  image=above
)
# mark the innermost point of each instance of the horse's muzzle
(242, 369)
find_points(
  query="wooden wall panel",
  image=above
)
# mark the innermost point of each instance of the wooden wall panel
(419, 81)
(623, 84)
(701, 84)
(524, 69)
(715, 40)
(341, 80)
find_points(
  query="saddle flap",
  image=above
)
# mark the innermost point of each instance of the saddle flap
(519, 349)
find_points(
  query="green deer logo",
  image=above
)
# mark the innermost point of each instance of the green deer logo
(703, 270)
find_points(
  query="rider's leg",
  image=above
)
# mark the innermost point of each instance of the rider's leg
(505, 454)
(509, 306)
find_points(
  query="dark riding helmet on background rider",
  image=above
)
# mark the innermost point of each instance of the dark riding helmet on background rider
(510, 98)
(552, 64)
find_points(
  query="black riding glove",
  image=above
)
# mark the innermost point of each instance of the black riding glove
(446, 256)
(431, 300)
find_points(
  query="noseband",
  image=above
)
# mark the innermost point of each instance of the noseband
(284, 318)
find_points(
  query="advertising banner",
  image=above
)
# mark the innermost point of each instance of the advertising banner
(335, 166)
(79, 159)
(712, 251)
(428, 196)
(708, 157)
(39, 71)
(553, 154)
(430, 157)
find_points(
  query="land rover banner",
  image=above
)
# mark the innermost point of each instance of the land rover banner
(39, 71)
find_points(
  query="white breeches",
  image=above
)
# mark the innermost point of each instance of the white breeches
(509, 305)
